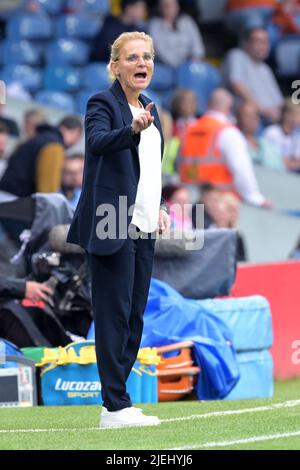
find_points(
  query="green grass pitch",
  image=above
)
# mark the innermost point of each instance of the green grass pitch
(249, 424)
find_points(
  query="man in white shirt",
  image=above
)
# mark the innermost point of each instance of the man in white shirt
(250, 78)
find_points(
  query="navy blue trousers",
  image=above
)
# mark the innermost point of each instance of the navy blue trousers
(120, 286)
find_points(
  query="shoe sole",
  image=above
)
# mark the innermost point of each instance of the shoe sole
(114, 426)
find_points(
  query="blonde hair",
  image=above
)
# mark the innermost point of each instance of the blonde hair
(119, 44)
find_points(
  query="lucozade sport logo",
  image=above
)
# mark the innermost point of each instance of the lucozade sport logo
(2, 92)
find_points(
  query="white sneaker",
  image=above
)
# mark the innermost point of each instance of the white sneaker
(138, 410)
(125, 418)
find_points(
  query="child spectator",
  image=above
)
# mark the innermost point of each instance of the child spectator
(178, 198)
(286, 135)
(184, 110)
(261, 150)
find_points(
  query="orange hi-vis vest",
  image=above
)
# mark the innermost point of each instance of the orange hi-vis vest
(200, 158)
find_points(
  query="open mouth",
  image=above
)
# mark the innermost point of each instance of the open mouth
(140, 75)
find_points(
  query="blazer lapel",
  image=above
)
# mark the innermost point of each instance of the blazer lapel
(118, 92)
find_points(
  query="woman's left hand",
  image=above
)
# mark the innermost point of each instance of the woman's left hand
(164, 222)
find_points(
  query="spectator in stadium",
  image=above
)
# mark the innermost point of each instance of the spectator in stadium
(3, 148)
(221, 210)
(286, 135)
(230, 211)
(14, 288)
(11, 327)
(210, 197)
(184, 110)
(261, 150)
(131, 19)
(171, 150)
(178, 198)
(36, 165)
(31, 119)
(31, 6)
(287, 16)
(244, 14)
(11, 124)
(215, 151)
(248, 76)
(72, 175)
(176, 35)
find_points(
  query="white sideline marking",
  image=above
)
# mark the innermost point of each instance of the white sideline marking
(276, 406)
(239, 441)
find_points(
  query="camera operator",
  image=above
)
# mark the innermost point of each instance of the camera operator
(15, 288)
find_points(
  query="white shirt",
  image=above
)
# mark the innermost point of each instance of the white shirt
(233, 147)
(289, 144)
(257, 76)
(173, 46)
(147, 203)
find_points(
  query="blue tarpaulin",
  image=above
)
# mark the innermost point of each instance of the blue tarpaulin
(170, 318)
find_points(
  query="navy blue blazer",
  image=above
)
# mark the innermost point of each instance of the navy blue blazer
(111, 167)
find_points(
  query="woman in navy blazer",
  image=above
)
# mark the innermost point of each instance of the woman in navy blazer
(118, 216)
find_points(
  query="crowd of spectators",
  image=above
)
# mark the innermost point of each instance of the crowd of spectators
(248, 120)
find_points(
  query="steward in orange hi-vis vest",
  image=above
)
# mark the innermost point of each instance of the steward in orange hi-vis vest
(201, 160)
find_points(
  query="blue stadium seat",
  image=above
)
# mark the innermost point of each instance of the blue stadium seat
(98, 6)
(52, 7)
(287, 56)
(30, 78)
(101, 7)
(20, 52)
(29, 26)
(62, 78)
(56, 99)
(77, 26)
(153, 96)
(67, 51)
(95, 76)
(82, 99)
(202, 78)
(163, 77)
